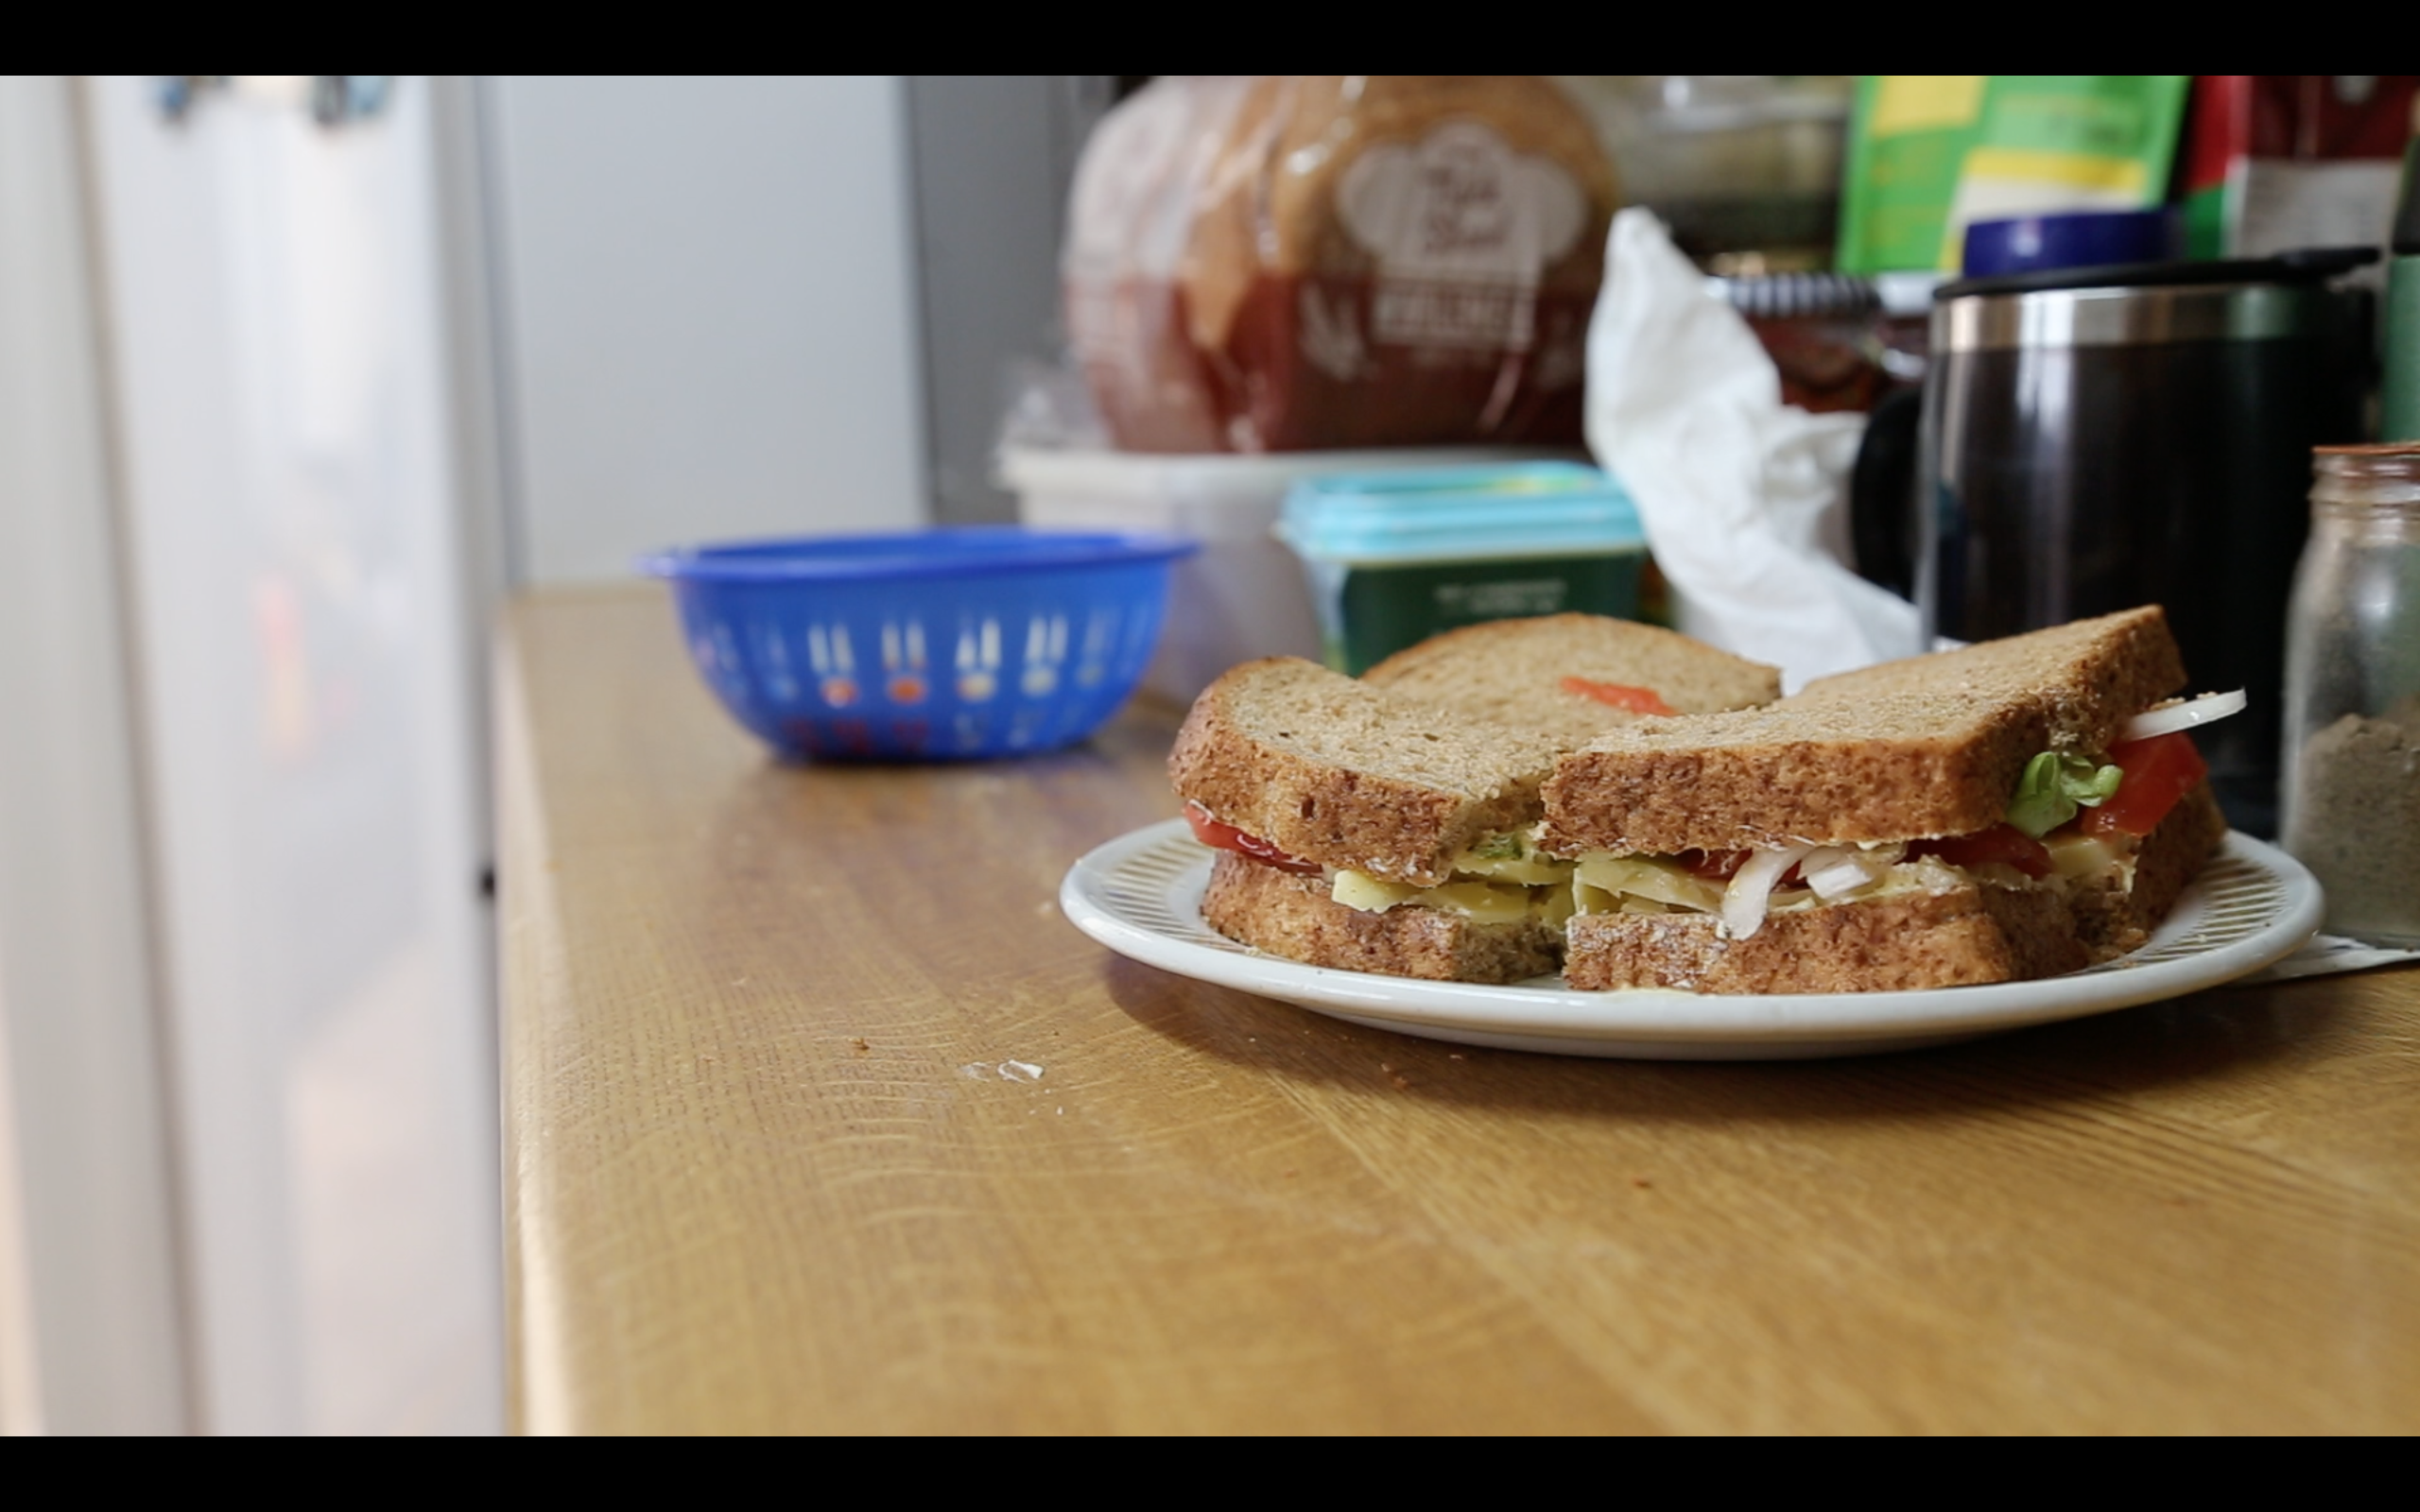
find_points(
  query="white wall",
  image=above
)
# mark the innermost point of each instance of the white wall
(705, 296)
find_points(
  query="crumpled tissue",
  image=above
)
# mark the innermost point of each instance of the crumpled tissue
(1743, 496)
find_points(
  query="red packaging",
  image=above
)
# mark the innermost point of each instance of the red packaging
(2278, 162)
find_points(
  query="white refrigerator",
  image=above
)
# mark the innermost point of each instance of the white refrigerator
(249, 1021)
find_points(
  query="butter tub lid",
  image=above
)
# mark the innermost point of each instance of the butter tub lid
(1429, 514)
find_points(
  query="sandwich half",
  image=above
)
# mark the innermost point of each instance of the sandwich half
(1973, 816)
(1360, 829)
(1387, 824)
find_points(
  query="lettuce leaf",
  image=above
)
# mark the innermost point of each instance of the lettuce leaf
(2055, 784)
(1507, 846)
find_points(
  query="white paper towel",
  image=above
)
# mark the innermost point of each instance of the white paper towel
(1739, 491)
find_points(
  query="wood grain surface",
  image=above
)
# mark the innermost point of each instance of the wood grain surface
(819, 1118)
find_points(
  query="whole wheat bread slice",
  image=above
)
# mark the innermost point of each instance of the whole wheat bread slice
(1514, 672)
(1332, 770)
(1959, 935)
(1931, 746)
(1293, 916)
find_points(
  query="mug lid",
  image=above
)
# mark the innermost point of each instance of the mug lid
(2309, 266)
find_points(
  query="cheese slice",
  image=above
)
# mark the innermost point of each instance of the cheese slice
(1484, 902)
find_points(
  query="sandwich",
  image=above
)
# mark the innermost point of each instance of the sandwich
(2007, 811)
(1382, 824)
(1362, 829)
(1973, 816)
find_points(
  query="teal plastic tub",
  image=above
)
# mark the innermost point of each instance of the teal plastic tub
(1394, 557)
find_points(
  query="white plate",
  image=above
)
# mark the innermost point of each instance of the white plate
(1141, 896)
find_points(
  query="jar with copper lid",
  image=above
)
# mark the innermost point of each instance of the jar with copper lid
(2352, 736)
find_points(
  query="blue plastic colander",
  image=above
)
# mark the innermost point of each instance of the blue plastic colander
(951, 644)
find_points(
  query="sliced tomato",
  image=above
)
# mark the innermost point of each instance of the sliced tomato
(2003, 843)
(1220, 835)
(2159, 771)
(1621, 696)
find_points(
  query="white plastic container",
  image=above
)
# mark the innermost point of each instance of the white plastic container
(1244, 595)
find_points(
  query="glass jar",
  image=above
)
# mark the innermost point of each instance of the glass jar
(2352, 788)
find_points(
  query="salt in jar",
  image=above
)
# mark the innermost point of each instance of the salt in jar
(2352, 738)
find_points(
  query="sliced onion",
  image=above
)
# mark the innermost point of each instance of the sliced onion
(2176, 716)
(1752, 886)
(1836, 872)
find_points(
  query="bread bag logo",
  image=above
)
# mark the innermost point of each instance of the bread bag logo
(1463, 227)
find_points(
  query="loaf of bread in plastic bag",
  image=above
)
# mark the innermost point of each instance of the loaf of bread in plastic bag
(1298, 262)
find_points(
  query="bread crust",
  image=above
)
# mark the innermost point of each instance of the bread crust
(1291, 915)
(2084, 679)
(1924, 747)
(1352, 776)
(1970, 934)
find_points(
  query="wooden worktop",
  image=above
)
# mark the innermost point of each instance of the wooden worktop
(765, 1171)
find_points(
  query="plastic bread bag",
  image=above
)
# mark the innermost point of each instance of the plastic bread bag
(1299, 261)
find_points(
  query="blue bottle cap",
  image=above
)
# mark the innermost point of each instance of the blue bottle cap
(2083, 238)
